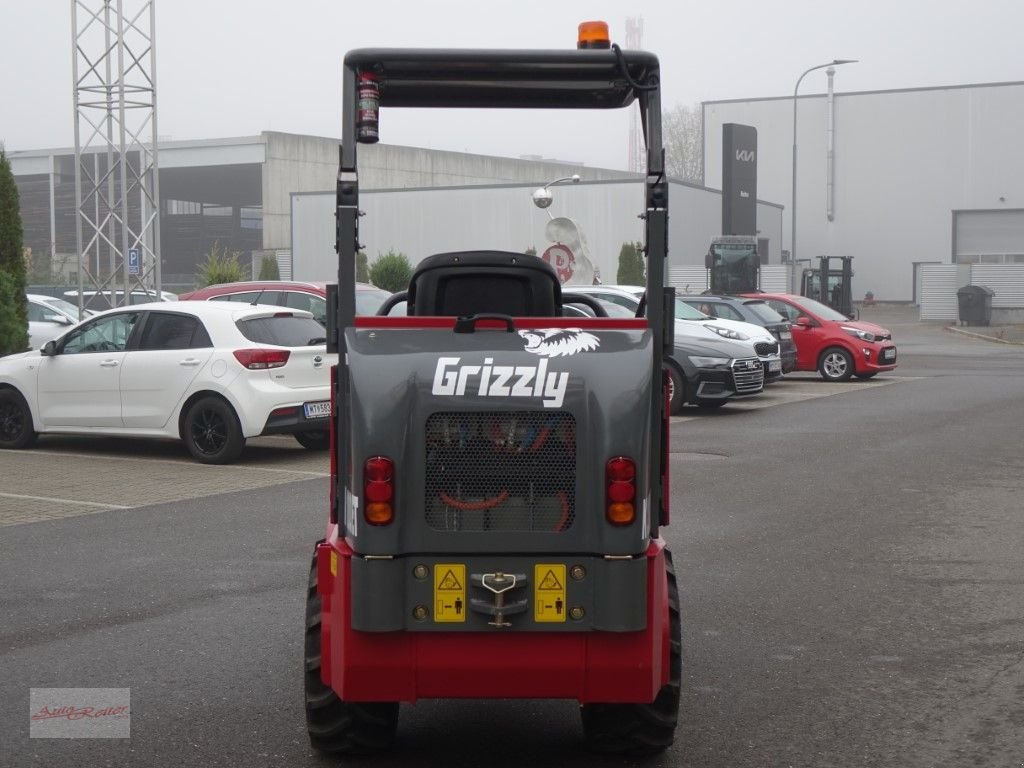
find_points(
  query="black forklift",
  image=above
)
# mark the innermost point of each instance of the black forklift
(831, 283)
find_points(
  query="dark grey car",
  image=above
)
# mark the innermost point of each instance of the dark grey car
(710, 373)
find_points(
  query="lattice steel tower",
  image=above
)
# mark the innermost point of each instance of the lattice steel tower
(634, 41)
(117, 190)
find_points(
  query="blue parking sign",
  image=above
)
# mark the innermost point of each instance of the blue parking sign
(134, 265)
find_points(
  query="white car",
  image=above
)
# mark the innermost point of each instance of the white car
(49, 317)
(209, 373)
(692, 323)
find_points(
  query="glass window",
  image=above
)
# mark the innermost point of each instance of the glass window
(107, 334)
(307, 301)
(283, 331)
(788, 312)
(763, 312)
(36, 313)
(173, 331)
(368, 300)
(726, 312)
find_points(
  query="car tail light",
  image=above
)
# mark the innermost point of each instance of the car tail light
(262, 359)
(620, 490)
(379, 490)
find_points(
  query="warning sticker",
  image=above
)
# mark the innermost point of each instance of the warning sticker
(549, 592)
(449, 592)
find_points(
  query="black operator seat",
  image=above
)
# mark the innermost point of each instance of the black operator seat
(477, 282)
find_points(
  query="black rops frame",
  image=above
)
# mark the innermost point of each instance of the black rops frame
(513, 79)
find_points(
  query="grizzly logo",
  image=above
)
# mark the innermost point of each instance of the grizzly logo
(490, 378)
(559, 342)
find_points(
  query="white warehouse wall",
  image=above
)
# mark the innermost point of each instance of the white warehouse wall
(904, 160)
(421, 222)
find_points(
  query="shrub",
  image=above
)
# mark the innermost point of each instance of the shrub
(13, 317)
(362, 267)
(13, 330)
(392, 271)
(631, 264)
(268, 269)
(221, 266)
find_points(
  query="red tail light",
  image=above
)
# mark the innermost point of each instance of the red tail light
(262, 359)
(620, 490)
(378, 490)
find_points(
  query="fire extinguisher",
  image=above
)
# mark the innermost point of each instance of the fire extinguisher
(368, 109)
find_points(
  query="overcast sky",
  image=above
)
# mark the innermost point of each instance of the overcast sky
(229, 68)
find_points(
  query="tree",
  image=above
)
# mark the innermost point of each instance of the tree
(362, 267)
(683, 131)
(13, 317)
(631, 264)
(269, 269)
(221, 266)
(391, 271)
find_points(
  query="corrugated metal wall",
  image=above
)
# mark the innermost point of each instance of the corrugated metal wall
(689, 279)
(938, 291)
(776, 278)
(1007, 280)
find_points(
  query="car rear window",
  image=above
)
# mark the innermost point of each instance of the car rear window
(764, 312)
(283, 331)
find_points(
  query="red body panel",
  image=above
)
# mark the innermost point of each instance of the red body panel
(406, 666)
(811, 341)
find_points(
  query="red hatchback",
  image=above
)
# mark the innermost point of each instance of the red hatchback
(297, 295)
(829, 342)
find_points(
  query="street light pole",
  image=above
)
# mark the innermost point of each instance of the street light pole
(792, 209)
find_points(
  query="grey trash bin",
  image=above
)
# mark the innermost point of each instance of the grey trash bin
(975, 304)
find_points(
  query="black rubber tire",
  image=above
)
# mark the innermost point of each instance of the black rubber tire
(835, 364)
(677, 390)
(641, 730)
(15, 421)
(866, 376)
(335, 726)
(211, 432)
(314, 441)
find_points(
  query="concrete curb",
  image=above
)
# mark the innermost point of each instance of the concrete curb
(982, 336)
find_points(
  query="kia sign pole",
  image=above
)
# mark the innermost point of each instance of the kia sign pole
(792, 209)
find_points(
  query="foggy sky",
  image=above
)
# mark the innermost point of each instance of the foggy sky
(228, 68)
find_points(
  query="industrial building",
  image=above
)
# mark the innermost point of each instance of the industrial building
(237, 193)
(923, 187)
(241, 194)
(914, 184)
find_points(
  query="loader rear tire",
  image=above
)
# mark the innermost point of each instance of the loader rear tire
(641, 730)
(335, 726)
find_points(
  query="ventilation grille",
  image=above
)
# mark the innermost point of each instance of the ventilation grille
(500, 471)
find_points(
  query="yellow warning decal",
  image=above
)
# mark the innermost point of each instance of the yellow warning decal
(334, 563)
(549, 592)
(449, 592)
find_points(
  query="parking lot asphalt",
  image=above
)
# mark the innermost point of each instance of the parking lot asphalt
(70, 476)
(849, 569)
(65, 476)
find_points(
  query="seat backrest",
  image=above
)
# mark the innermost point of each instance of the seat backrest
(475, 282)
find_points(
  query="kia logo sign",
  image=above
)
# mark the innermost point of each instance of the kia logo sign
(745, 155)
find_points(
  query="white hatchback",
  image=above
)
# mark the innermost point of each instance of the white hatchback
(764, 345)
(209, 373)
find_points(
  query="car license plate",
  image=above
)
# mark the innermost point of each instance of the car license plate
(786, 335)
(889, 354)
(774, 365)
(318, 410)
